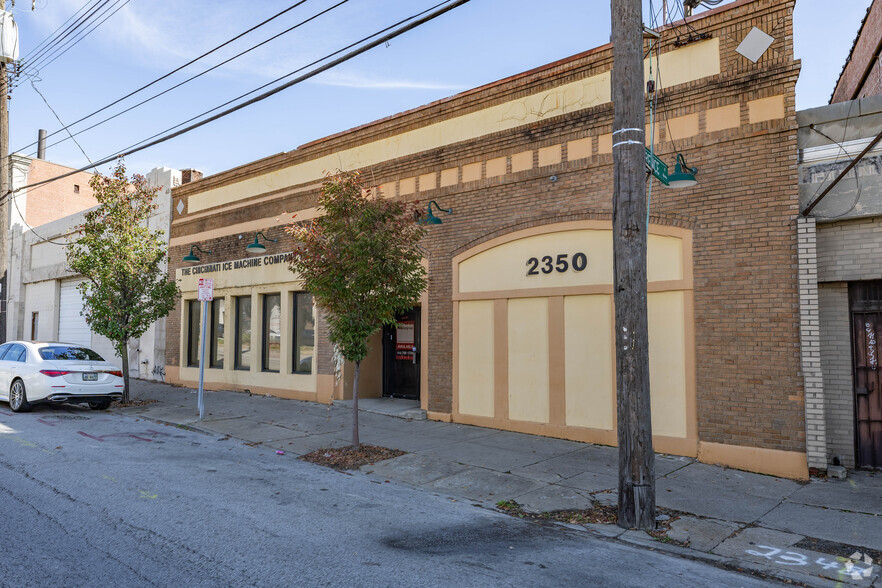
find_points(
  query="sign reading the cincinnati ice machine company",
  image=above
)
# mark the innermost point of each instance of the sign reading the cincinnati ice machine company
(238, 264)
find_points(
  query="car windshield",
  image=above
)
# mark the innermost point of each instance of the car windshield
(68, 352)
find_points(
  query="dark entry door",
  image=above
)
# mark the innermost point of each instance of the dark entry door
(866, 329)
(401, 357)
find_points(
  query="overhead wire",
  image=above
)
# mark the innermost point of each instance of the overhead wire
(174, 71)
(842, 150)
(288, 75)
(412, 22)
(49, 106)
(120, 4)
(51, 35)
(58, 35)
(202, 73)
(77, 24)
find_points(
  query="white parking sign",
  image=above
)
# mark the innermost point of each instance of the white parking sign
(205, 291)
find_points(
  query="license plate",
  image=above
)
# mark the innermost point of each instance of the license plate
(90, 377)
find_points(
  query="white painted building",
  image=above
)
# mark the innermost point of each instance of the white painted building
(43, 301)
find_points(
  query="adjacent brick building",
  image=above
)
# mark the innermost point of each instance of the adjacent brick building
(862, 72)
(504, 337)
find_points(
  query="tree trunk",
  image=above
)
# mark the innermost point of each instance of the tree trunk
(636, 457)
(124, 353)
(355, 442)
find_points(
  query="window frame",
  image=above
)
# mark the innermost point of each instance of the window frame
(295, 348)
(193, 361)
(265, 333)
(237, 342)
(213, 361)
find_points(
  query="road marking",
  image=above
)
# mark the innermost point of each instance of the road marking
(147, 495)
(843, 566)
(45, 422)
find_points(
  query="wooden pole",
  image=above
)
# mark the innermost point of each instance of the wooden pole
(636, 457)
(5, 203)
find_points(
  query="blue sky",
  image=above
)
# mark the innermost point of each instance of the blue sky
(480, 42)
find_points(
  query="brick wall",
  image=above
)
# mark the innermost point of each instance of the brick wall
(862, 74)
(810, 344)
(56, 199)
(742, 213)
(837, 367)
(847, 252)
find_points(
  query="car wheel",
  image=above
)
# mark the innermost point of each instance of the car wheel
(102, 405)
(18, 398)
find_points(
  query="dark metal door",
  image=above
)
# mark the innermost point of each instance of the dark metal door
(401, 357)
(866, 328)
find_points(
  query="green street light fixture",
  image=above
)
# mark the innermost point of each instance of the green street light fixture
(683, 176)
(431, 219)
(256, 248)
(192, 257)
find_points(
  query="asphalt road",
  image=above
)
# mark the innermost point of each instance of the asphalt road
(101, 499)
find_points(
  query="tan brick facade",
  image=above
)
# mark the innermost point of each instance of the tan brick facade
(738, 127)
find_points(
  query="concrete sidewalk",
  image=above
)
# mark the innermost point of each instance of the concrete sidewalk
(798, 532)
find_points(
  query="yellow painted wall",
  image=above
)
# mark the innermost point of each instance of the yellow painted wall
(692, 62)
(476, 395)
(667, 362)
(590, 363)
(528, 359)
(505, 267)
(664, 258)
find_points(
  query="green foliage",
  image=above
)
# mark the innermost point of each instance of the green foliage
(361, 260)
(126, 288)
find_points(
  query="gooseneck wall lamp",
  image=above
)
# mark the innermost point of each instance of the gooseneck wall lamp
(256, 247)
(431, 219)
(192, 257)
(683, 176)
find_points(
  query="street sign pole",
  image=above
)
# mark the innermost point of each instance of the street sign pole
(202, 359)
(204, 293)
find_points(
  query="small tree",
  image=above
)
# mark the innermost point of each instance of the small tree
(126, 288)
(361, 260)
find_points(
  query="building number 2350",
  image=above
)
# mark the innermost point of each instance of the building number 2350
(548, 264)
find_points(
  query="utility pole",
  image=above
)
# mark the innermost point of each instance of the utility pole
(4, 199)
(636, 457)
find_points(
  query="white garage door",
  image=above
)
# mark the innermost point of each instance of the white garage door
(72, 327)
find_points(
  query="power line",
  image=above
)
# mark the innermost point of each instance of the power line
(49, 106)
(432, 14)
(74, 41)
(202, 73)
(70, 30)
(52, 34)
(174, 71)
(288, 75)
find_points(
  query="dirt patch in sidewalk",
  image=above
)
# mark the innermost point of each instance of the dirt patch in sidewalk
(599, 514)
(348, 458)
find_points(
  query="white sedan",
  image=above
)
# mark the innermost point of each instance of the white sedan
(35, 372)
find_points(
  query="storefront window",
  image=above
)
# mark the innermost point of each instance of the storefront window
(272, 332)
(304, 333)
(193, 332)
(216, 353)
(243, 332)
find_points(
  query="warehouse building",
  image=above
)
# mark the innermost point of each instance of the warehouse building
(515, 330)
